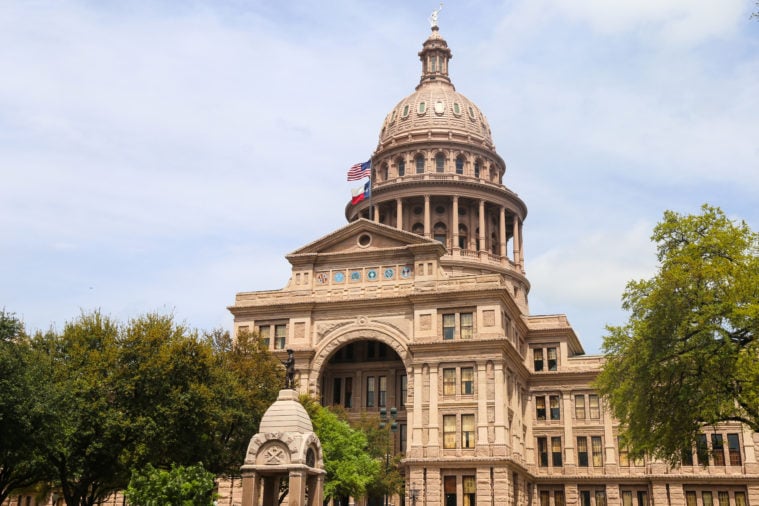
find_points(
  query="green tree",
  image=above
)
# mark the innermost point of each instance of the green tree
(179, 486)
(21, 413)
(687, 357)
(380, 442)
(87, 439)
(349, 465)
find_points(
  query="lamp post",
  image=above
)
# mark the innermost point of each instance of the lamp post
(393, 430)
(413, 494)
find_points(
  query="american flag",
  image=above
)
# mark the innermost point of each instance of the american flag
(360, 170)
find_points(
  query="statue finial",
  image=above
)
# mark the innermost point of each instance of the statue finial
(433, 17)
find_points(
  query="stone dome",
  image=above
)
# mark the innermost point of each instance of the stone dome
(286, 415)
(435, 104)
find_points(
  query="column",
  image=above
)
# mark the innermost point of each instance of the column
(251, 485)
(500, 406)
(482, 409)
(515, 239)
(455, 223)
(521, 246)
(502, 232)
(399, 214)
(482, 226)
(427, 232)
(433, 446)
(377, 213)
(569, 440)
(297, 494)
(416, 428)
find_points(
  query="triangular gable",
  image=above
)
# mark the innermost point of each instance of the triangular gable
(363, 235)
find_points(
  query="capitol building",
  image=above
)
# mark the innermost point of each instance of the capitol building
(418, 310)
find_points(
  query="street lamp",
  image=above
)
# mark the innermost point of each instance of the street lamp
(393, 429)
(413, 494)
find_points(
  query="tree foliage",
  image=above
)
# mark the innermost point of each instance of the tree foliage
(179, 486)
(21, 412)
(350, 467)
(687, 357)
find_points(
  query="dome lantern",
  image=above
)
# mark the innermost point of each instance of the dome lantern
(435, 56)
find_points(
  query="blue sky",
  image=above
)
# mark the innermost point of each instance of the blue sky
(162, 156)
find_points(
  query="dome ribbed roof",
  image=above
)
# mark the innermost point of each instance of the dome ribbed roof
(286, 415)
(436, 105)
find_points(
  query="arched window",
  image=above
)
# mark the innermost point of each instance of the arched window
(476, 168)
(463, 237)
(420, 164)
(439, 162)
(417, 229)
(459, 165)
(440, 233)
(401, 167)
(383, 172)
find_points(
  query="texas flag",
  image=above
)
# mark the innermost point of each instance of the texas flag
(361, 193)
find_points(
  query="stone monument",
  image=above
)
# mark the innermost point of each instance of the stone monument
(285, 448)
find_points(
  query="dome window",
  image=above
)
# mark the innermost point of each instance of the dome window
(405, 112)
(471, 114)
(392, 118)
(456, 109)
(420, 164)
(477, 168)
(440, 162)
(401, 167)
(440, 233)
(422, 107)
(459, 165)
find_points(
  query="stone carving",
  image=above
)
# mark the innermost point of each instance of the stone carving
(274, 455)
(434, 15)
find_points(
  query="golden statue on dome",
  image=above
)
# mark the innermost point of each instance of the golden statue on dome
(433, 17)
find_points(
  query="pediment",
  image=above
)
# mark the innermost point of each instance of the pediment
(365, 237)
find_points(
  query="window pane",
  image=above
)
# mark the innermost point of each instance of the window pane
(580, 407)
(555, 411)
(439, 162)
(467, 431)
(740, 499)
(706, 498)
(370, 387)
(264, 332)
(627, 498)
(582, 451)
(558, 498)
(598, 459)
(540, 408)
(600, 498)
(467, 380)
(449, 381)
(642, 498)
(419, 165)
(724, 498)
(624, 459)
(595, 410)
(348, 392)
(718, 450)
(702, 452)
(545, 498)
(280, 332)
(469, 487)
(733, 444)
(552, 363)
(690, 498)
(467, 327)
(543, 452)
(448, 325)
(449, 431)
(382, 391)
(556, 451)
(585, 497)
(459, 161)
(537, 354)
(404, 390)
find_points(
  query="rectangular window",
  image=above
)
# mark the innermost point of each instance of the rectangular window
(280, 333)
(552, 362)
(449, 488)
(627, 498)
(467, 325)
(370, 387)
(585, 497)
(555, 410)
(600, 497)
(467, 380)
(690, 498)
(702, 452)
(449, 326)
(449, 431)
(537, 355)
(580, 407)
(264, 332)
(348, 392)
(404, 390)
(718, 450)
(734, 447)
(467, 431)
(545, 498)
(724, 498)
(543, 452)
(598, 456)
(470, 489)
(337, 390)
(642, 498)
(556, 455)
(582, 451)
(595, 410)
(706, 498)
(449, 381)
(624, 458)
(687, 457)
(540, 408)
(382, 391)
(402, 434)
(740, 499)
(558, 498)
